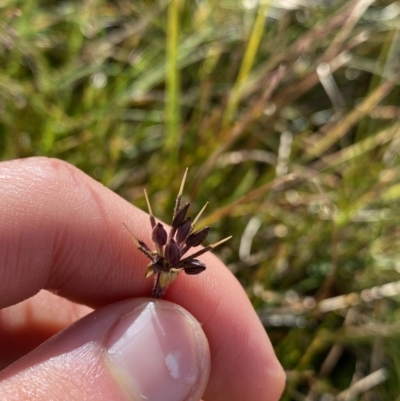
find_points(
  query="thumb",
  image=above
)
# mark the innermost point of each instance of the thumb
(136, 349)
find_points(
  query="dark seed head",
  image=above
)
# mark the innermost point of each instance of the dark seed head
(180, 216)
(167, 258)
(183, 230)
(159, 235)
(192, 266)
(197, 237)
(172, 253)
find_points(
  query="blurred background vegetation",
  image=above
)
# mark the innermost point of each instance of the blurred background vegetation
(287, 114)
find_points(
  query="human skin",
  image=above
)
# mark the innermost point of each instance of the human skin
(63, 232)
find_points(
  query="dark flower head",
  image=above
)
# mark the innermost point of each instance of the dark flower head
(159, 235)
(167, 259)
(184, 230)
(172, 254)
(179, 217)
(197, 238)
(193, 266)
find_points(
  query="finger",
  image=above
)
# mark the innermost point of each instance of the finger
(132, 350)
(27, 324)
(63, 231)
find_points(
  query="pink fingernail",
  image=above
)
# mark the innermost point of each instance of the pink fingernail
(158, 352)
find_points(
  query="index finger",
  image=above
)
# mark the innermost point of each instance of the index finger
(62, 231)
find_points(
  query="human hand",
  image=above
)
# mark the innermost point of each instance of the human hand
(62, 231)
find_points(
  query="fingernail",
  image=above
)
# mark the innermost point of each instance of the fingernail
(159, 352)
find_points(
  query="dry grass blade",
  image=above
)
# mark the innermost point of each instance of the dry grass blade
(342, 127)
(363, 385)
(254, 194)
(358, 149)
(354, 16)
(308, 41)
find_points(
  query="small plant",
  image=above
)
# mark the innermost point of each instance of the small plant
(167, 257)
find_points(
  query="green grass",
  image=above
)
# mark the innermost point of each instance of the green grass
(289, 122)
